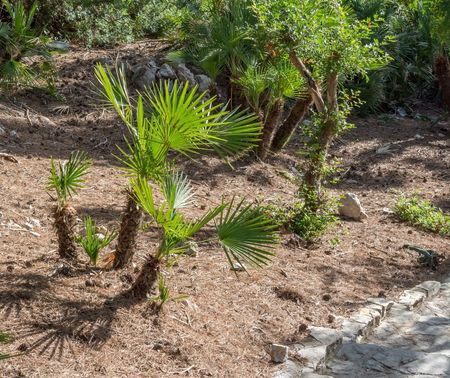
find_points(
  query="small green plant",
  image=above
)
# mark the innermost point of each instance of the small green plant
(299, 219)
(245, 234)
(164, 295)
(5, 338)
(65, 179)
(18, 43)
(93, 242)
(423, 214)
(181, 120)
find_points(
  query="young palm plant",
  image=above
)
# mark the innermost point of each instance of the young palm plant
(93, 242)
(18, 42)
(267, 87)
(245, 235)
(168, 118)
(65, 179)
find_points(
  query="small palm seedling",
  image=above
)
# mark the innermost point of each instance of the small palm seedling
(93, 242)
(65, 179)
(164, 296)
(164, 119)
(244, 233)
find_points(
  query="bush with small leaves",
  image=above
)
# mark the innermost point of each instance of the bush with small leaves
(423, 214)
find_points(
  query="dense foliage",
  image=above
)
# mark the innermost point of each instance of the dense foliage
(423, 214)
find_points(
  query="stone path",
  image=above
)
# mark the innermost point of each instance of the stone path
(408, 343)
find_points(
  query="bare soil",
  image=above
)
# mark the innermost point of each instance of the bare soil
(69, 320)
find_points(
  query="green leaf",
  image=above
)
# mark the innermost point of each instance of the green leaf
(69, 176)
(246, 235)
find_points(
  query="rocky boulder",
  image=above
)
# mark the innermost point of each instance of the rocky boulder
(350, 207)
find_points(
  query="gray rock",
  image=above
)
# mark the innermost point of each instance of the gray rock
(144, 77)
(204, 83)
(385, 304)
(430, 288)
(166, 72)
(2, 130)
(350, 207)
(411, 298)
(279, 353)
(185, 74)
(326, 336)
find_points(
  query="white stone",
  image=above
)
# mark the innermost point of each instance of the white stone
(411, 298)
(431, 288)
(279, 353)
(2, 130)
(238, 267)
(326, 336)
(350, 207)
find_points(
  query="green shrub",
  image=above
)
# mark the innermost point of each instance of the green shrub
(104, 23)
(307, 224)
(423, 214)
(25, 55)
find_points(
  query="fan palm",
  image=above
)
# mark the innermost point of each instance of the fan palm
(168, 118)
(66, 179)
(19, 41)
(244, 233)
(266, 87)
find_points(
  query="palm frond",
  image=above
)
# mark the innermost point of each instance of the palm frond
(246, 235)
(177, 191)
(69, 176)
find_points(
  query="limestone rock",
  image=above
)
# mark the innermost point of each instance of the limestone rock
(279, 353)
(185, 74)
(166, 72)
(204, 82)
(350, 207)
(144, 77)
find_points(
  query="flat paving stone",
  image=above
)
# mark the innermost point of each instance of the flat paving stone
(412, 341)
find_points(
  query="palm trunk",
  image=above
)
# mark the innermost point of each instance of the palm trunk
(129, 228)
(65, 220)
(288, 127)
(147, 278)
(270, 126)
(443, 74)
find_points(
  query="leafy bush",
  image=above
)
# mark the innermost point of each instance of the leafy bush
(309, 225)
(93, 242)
(20, 44)
(424, 214)
(103, 23)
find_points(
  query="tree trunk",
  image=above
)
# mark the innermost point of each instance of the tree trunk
(288, 127)
(270, 126)
(318, 160)
(443, 75)
(65, 220)
(129, 228)
(146, 280)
